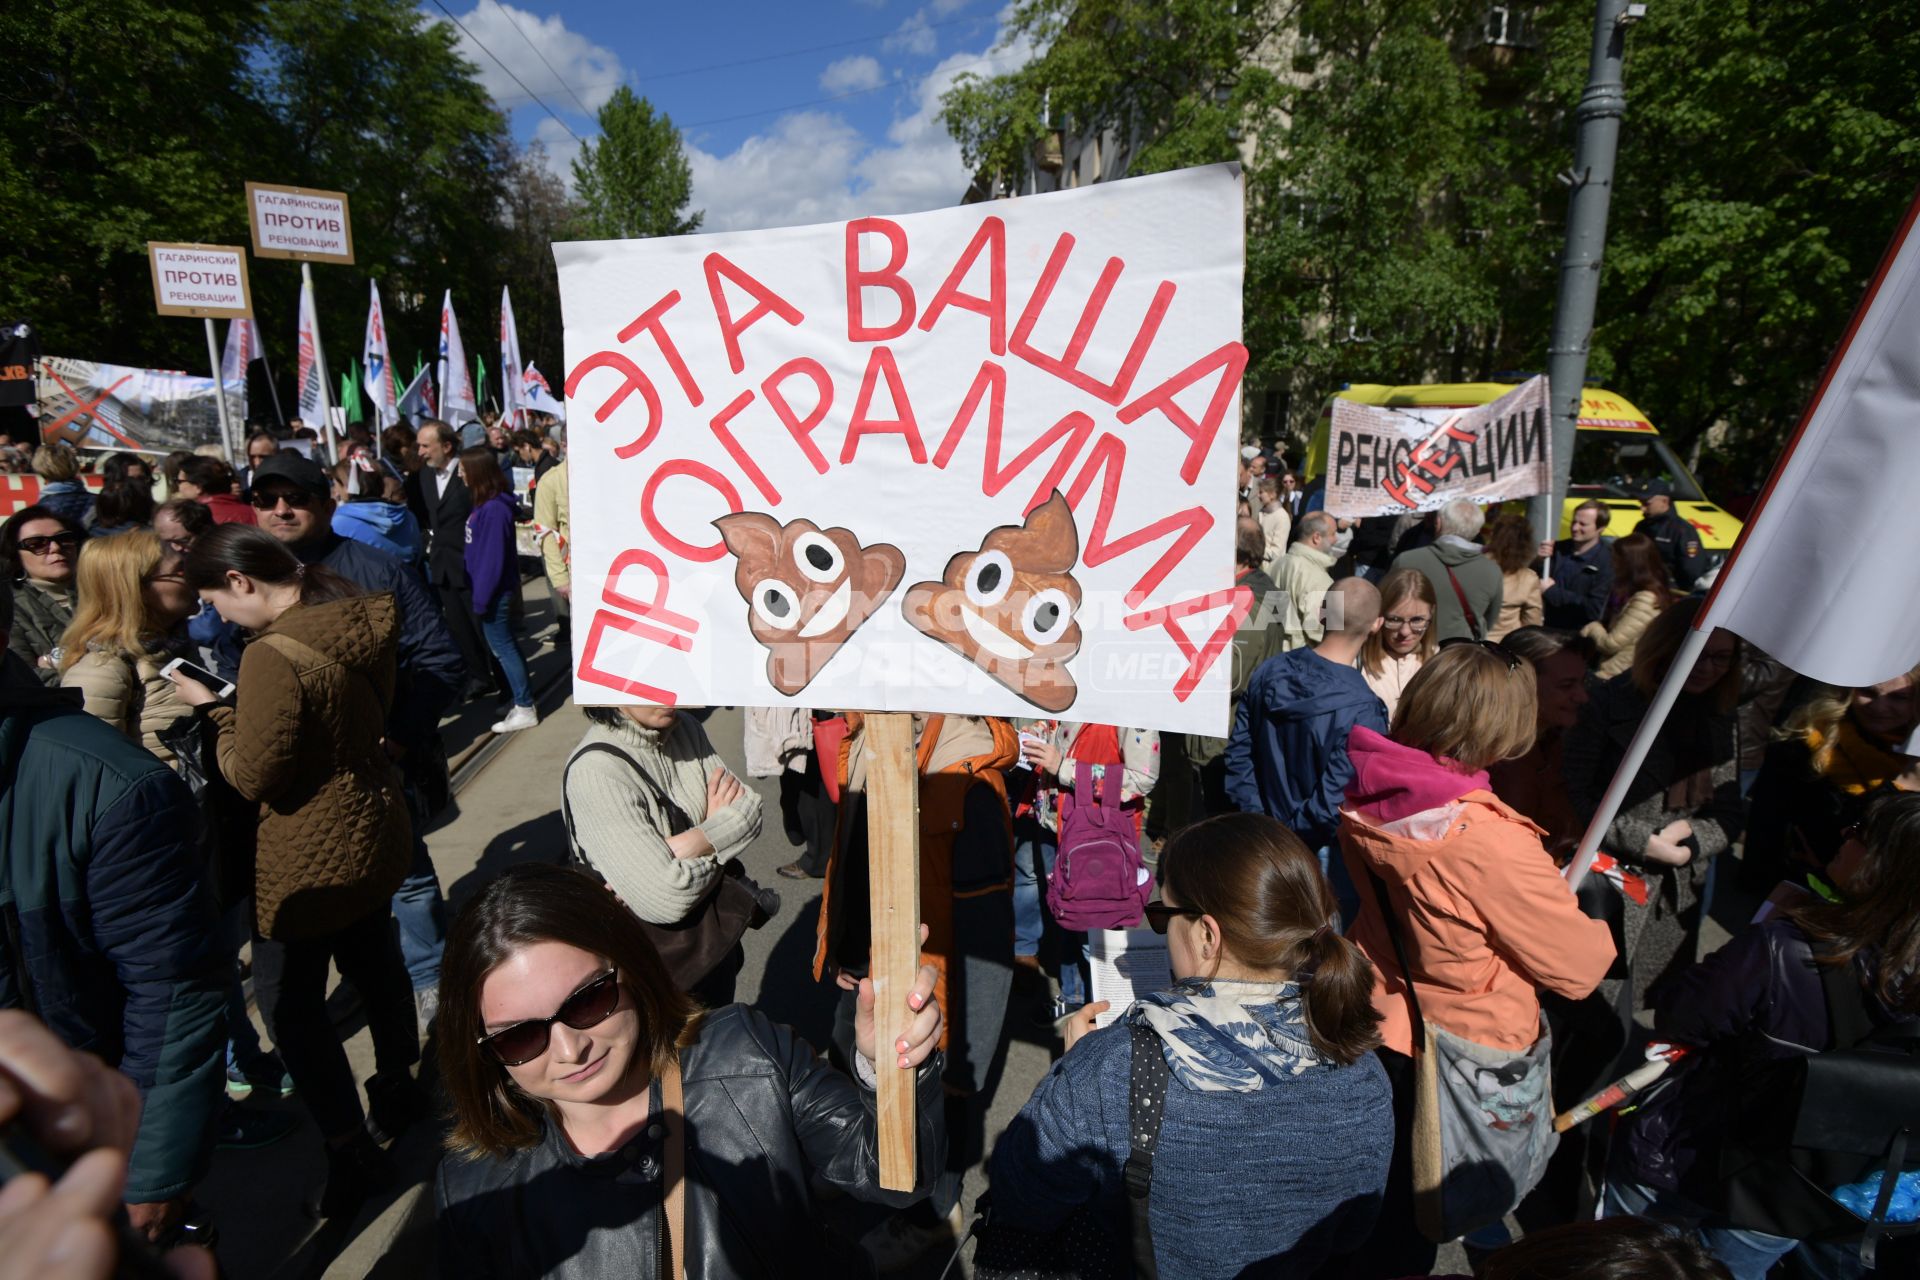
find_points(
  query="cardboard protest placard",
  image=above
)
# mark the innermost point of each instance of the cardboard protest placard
(977, 460)
(299, 222)
(200, 280)
(1389, 461)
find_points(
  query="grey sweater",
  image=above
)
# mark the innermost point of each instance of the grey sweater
(621, 828)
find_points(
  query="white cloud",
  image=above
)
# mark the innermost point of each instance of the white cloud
(567, 70)
(852, 75)
(915, 36)
(813, 166)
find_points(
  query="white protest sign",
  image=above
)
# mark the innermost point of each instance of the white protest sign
(199, 280)
(978, 460)
(1389, 461)
(298, 222)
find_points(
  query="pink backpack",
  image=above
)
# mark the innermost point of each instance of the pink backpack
(1099, 880)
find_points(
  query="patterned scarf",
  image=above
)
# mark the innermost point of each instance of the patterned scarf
(1224, 1036)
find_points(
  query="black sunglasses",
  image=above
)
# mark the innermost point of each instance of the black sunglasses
(1161, 914)
(1494, 647)
(588, 1007)
(298, 499)
(38, 546)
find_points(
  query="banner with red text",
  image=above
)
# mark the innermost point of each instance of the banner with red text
(1387, 461)
(978, 460)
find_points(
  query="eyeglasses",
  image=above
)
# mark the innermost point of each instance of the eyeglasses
(1161, 914)
(1394, 622)
(1494, 647)
(588, 1007)
(38, 546)
(182, 545)
(298, 499)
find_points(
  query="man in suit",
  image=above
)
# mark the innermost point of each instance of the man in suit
(439, 499)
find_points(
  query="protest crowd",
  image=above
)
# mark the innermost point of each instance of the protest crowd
(1358, 888)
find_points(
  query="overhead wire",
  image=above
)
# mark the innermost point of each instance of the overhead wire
(528, 41)
(509, 70)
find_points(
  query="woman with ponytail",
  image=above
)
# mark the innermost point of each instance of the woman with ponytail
(1276, 1129)
(304, 741)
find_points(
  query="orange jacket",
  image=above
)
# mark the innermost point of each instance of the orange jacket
(1486, 920)
(943, 799)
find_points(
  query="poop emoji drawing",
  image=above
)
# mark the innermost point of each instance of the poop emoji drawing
(1009, 607)
(807, 589)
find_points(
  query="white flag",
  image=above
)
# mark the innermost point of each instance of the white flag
(537, 396)
(1824, 576)
(511, 398)
(457, 404)
(312, 397)
(242, 349)
(377, 365)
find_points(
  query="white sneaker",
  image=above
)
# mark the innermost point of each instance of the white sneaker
(518, 718)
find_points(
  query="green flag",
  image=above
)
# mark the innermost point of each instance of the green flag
(350, 392)
(479, 381)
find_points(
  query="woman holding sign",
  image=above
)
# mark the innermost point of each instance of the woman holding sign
(605, 1122)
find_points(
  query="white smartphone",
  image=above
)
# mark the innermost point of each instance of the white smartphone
(195, 672)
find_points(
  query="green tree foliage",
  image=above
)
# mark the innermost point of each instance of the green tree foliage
(137, 120)
(633, 180)
(1768, 153)
(1404, 222)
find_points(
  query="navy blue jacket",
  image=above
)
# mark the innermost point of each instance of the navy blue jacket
(117, 945)
(1580, 587)
(1287, 757)
(430, 670)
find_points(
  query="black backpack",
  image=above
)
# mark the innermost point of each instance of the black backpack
(1799, 1127)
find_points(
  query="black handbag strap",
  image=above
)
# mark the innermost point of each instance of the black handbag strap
(1399, 951)
(1146, 1106)
(677, 819)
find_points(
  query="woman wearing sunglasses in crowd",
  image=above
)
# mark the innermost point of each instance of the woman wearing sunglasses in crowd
(601, 1115)
(1275, 1133)
(1484, 917)
(40, 549)
(304, 740)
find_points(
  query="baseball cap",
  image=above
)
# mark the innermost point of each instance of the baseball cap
(1249, 452)
(1656, 489)
(301, 472)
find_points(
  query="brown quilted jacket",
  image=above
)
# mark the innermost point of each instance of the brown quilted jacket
(305, 742)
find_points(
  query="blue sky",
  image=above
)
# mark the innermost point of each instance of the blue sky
(797, 112)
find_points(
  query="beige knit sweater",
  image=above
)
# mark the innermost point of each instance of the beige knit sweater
(621, 828)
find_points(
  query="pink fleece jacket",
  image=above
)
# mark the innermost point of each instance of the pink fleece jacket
(1484, 914)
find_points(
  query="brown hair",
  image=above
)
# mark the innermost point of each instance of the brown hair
(1249, 543)
(1469, 706)
(1277, 913)
(481, 470)
(1610, 1249)
(56, 461)
(528, 903)
(1602, 512)
(1396, 589)
(1879, 910)
(1661, 641)
(1509, 542)
(1637, 567)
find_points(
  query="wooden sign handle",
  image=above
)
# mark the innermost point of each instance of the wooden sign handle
(893, 842)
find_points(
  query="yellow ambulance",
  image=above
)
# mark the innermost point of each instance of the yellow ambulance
(1616, 452)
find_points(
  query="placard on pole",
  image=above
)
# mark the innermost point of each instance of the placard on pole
(208, 281)
(311, 226)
